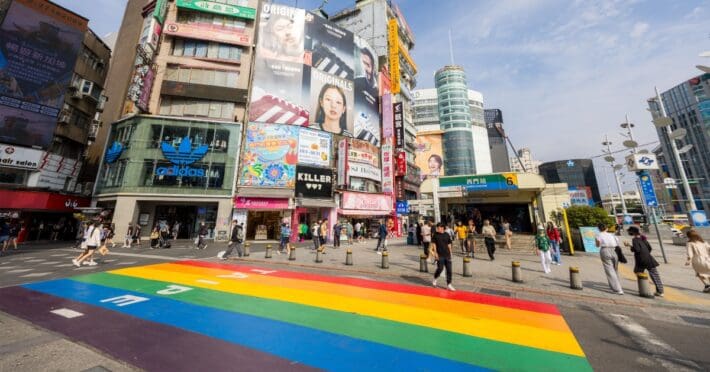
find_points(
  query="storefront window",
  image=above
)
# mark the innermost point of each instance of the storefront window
(113, 174)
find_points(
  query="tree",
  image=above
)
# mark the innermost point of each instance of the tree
(582, 215)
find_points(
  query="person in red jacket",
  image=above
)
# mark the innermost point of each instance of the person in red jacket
(553, 233)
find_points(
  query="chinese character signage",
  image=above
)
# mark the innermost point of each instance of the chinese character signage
(649, 194)
(401, 163)
(314, 147)
(402, 207)
(39, 43)
(398, 125)
(393, 42)
(218, 8)
(483, 182)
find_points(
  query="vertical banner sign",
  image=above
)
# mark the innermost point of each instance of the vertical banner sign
(387, 167)
(387, 117)
(401, 163)
(393, 41)
(398, 126)
(39, 43)
(342, 162)
(649, 195)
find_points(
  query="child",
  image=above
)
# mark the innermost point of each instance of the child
(542, 244)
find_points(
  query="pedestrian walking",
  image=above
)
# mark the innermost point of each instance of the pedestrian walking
(176, 230)
(284, 244)
(323, 234)
(543, 245)
(553, 233)
(507, 233)
(357, 234)
(128, 239)
(110, 233)
(426, 237)
(471, 238)
(381, 238)
(461, 235)
(137, 234)
(607, 243)
(55, 230)
(419, 234)
(4, 234)
(236, 239)
(302, 231)
(442, 255)
(155, 237)
(14, 227)
(699, 256)
(337, 229)
(643, 260)
(201, 235)
(92, 241)
(349, 232)
(489, 238)
(79, 238)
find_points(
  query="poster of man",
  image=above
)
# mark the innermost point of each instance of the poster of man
(367, 125)
(330, 47)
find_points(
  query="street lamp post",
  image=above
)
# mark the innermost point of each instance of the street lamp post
(664, 121)
(615, 168)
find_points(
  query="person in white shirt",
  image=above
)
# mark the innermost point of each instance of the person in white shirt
(426, 237)
(607, 243)
(92, 241)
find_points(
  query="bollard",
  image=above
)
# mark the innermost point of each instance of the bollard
(246, 249)
(517, 273)
(644, 286)
(575, 280)
(349, 257)
(423, 267)
(267, 253)
(385, 260)
(467, 267)
(319, 255)
(292, 254)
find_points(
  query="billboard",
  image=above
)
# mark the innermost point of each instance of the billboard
(314, 147)
(393, 50)
(314, 182)
(39, 43)
(312, 73)
(398, 125)
(270, 156)
(364, 160)
(580, 196)
(20, 157)
(429, 155)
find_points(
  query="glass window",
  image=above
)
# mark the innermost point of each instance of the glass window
(232, 77)
(215, 110)
(155, 135)
(178, 46)
(201, 49)
(184, 75)
(235, 53)
(228, 110)
(223, 51)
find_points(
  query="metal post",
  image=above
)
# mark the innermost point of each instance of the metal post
(569, 232)
(658, 234)
(684, 178)
(435, 196)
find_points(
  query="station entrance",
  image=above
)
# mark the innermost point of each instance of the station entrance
(517, 214)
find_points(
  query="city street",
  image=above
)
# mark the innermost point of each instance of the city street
(135, 309)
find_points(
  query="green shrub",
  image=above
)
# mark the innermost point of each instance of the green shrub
(583, 215)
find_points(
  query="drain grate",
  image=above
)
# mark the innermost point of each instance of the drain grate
(495, 292)
(695, 320)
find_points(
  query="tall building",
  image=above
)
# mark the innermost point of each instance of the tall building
(48, 117)
(460, 110)
(382, 24)
(528, 162)
(173, 146)
(688, 106)
(579, 176)
(500, 160)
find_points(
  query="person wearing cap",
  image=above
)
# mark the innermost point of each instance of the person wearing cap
(607, 244)
(542, 245)
(643, 260)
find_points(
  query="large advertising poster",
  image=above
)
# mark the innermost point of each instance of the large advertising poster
(314, 147)
(312, 73)
(270, 156)
(364, 160)
(314, 182)
(429, 155)
(39, 42)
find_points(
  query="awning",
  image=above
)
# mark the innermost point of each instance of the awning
(41, 201)
(362, 212)
(315, 203)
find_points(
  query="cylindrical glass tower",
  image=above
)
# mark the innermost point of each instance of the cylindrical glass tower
(455, 120)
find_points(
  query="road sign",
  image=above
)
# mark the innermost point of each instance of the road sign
(649, 195)
(402, 207)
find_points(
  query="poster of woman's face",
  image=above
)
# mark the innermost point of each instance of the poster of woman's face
(332, 103)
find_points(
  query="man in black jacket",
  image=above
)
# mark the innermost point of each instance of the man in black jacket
(442, 255)
(236, 239)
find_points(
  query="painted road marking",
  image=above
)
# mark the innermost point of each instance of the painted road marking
(34, 275)
(16, 271)
(59, 255)
(7, 267)
(67, 313)
(669, 357)
(314, 321)
(670, 294)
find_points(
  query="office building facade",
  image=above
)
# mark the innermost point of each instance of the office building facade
(688, 106)
(579, 176)
(500, 159)
(524, 162)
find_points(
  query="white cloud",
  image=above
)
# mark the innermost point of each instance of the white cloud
(639, 29)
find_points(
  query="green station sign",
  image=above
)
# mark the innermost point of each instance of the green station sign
(218, 8)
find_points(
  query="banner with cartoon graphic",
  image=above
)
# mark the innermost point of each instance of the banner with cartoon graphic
(270, 156)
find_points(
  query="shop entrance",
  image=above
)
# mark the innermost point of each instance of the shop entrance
(263, 225)
(189, 218)
(518, 215)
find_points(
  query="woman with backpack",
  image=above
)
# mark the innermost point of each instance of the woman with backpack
(643, 261)
(699, 256)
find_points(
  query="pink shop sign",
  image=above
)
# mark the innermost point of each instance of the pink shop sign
(362, 201)
(241, 202)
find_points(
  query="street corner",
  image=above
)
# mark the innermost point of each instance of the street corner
(259, 318)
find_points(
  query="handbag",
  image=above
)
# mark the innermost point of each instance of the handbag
(620, 254)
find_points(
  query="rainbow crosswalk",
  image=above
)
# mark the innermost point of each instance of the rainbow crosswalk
(194, 315)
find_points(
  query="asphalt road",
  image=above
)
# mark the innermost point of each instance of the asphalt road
(614, 338)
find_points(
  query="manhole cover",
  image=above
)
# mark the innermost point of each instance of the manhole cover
(495, 292)
(694, 320)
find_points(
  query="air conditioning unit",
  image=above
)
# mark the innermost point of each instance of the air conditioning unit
(64, 117)
(102, 103)
(77, 94)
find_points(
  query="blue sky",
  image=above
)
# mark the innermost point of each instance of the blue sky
(564, 72)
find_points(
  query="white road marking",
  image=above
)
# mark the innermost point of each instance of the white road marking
(128, 263)
(207, 281)
(19, 271)
(120, 254)
(36, 260)
(34, 275)
(48, 263)
(67, 313)
(670, 358)
(7, 267)
(58, 255)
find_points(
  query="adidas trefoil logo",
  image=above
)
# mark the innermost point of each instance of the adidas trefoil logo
(183, 156)
(113, 152)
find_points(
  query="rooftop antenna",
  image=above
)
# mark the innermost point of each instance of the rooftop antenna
(451, 48)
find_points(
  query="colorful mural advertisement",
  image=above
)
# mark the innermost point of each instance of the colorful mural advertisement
(270, 156)
(39, 43)
(429, 155)
(309, 72)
